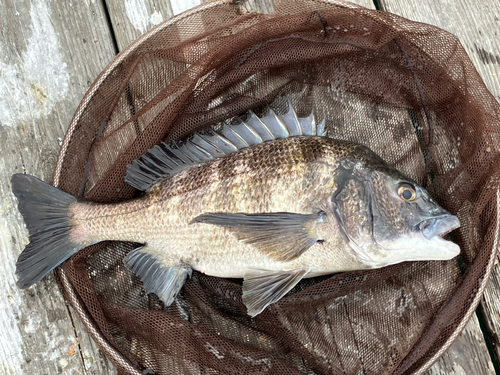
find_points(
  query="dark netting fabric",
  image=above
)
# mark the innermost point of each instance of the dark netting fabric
(407, 90)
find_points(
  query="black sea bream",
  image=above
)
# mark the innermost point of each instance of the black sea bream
(270, 200)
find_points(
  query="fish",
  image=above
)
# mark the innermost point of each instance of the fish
(270, 199)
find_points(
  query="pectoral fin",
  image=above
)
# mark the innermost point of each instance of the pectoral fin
(283, 236)
(260, 289)
(163, 280)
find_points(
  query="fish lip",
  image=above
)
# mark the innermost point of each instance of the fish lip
(438, 226)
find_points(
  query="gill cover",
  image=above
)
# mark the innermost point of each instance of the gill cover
(353, 207)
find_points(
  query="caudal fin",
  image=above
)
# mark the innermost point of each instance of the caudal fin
(46, 213)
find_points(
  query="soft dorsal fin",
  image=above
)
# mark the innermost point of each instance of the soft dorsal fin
(165, 160)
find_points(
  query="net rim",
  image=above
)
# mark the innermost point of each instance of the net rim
(69, 291)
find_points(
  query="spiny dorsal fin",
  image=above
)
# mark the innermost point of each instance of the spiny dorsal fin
(165, 160)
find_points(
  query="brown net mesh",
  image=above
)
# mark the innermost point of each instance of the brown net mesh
(406, 90)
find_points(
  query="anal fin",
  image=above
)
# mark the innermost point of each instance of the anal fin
(163, 280)
(260, 289)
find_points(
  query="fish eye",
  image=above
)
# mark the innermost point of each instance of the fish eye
(407, 192)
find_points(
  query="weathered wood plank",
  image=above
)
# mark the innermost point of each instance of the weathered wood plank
(127, 26)
(490, 311)
(51, 53)
(467, 355)
(132, 18)
(477, 26)
(268, 6)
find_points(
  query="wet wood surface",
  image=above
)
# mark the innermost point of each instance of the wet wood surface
(51, 51)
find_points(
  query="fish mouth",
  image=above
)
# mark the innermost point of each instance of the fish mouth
(438, 226)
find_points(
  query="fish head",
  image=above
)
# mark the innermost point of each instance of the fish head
(388, 218)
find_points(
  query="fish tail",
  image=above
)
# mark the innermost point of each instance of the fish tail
(45, 210)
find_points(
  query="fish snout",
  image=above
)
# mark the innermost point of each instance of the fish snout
(438, 226)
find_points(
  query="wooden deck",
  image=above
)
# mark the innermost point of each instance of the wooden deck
(50, 53)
